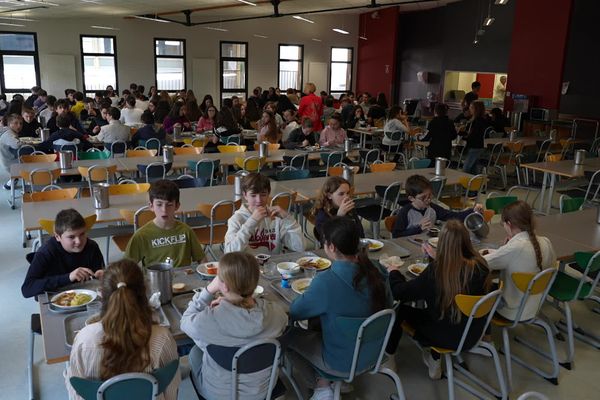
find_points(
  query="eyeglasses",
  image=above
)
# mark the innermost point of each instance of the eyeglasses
(424, 198)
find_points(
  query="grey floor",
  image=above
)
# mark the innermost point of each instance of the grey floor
(580, 383)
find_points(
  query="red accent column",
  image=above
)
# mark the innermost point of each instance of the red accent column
(376, 60)
(538, 50)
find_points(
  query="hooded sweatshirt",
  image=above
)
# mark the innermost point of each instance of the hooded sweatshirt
(231, 326)
(244, 233)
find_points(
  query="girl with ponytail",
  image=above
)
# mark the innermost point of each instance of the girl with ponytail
(524, 251)
(125, 339)
(352, 287)
(233, 319)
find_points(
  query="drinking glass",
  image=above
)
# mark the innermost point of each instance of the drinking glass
(310, 272)
(94, 308)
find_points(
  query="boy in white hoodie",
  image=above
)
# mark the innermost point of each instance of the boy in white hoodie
(257, 228)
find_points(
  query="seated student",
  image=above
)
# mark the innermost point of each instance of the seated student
(9, 143)
(498, 121)
(258, 228)
(130, 115)
(457, 268)
(65, 135)
(46, 113)
(232, 319)
(375, 112)
(334, 199)
(333, 134)
(100, 119)
(62, 108)
(291, 124)
(421, 214)
(30, 124)
(125, 338)
(302, 136)
(68, 256)
(164, 237)
(79, 105)
(357, 119)
(524, 251)
(70, 97)
(398, 122)
(269, 129)
(40, 103)
(115, 130)
(3, 104)
(352, 287)
(328, 109)
(89, 112)
(148, 131)
(208, 120)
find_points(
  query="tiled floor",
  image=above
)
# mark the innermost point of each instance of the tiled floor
(581, 383)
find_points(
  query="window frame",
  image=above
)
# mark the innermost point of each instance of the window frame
(83, 55)
(331, 62)
(301, 61)
(222, 59)
(156, 57)
(36, 62)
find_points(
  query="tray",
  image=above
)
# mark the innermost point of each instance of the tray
(73, 324)
(394, 249)
(181, 301)
(287, 293)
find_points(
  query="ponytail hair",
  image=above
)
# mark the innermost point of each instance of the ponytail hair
(520, 215)
(240, 272)
(126, 319)
(341, 232)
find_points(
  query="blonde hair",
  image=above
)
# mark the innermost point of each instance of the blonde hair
(240, 272)
(329, 187)
(311, 87)
(456, 262)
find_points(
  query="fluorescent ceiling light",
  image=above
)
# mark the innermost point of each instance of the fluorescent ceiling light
(302, 19)
(343, 32)
(212, 28)
(247, 2)
(488, 21)
(9, 24)
(155, 19)
(316, 40)
(18, 19)
(260, 36)
(109, 28)
(45, 3)
(172, 43)
(501, 2)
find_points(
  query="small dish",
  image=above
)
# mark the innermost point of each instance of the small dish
(433, 241)
(391, 262)
(208, 270)
(417, 268)
(262, 258)
(319, 263)
(434, 232)
(288, 268)
(372, 245)
(300, 285)
(178, 287)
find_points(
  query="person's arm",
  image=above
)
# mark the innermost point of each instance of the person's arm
(302, 107)
(291, 233)
(324, 138)
(452, 130)
(77, 125)
(313, 302)
(320, 220)
(11, 140)
(168, 353)
(77, 360)
(502, 257)
(444, 214)
(37, 281)
(415, 289)
(238, 233)
(192, 319)
(401, 227)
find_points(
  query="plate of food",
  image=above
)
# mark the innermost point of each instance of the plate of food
(73, 299)
(417, 268)
(391, 262)
(485, 252)
(372, 245)
(319, 263)
(300, 285)
(208, 270)
(433, 241)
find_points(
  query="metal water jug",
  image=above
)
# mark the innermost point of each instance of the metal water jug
(167, 154)
(176, 132)
(237, 184)
(45, 134)
(263, 149)
(160, 279)
(348, 145)
(348, 174)
(100, 195)
(512, 136)
(579, 157)
(475, 223)
(440, 166)
(65, 159)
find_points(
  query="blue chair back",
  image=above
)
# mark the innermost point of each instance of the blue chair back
(116, 148)
(331, 159)
(24, 150)
(233, 139)
(205, 169)
(293, 174)
(418, 164)
(66, 147)
(152, 144)
(156, 170)
(188, 181)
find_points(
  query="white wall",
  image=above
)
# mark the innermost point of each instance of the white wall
(61, 37)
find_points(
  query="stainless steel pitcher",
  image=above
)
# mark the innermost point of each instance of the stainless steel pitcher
(440, 166)
(160, 279)
(580, 157)
(348, 145)
(348, 174)
(167, 154)
(65, 159)
(237, 184)
(475, 223)
(100, 195)
(263, 149)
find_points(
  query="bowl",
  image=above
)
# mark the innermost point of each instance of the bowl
(262, 258)
(288, 267)
(434, 232)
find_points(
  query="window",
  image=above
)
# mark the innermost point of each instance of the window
(291, 65)
(169, 64)
(234, 70)
(19, 63)
(340, 71)
(99, 61)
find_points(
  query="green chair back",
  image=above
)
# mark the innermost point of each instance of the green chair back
(334, 159)
(204, 169)
(498, 203)
(568, 205)
(419, 164)
(583, 259)
(92, 155)
(291, 175)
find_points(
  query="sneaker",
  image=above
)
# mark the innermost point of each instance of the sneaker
(434, 366)
(322, 393)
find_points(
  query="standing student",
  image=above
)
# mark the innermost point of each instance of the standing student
(472, 96)
(9, 143)
(475, 137)
(232, 319)
(125, 339)
(457, 269)
(333, 135)
(352, 287)
(258, 228)
(523, 251)
(440, 134)
(311, 106)
(334, 199)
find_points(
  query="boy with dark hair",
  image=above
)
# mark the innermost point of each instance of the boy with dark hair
(30, 124)
(40, 103)
(79, 105)
(70, 96)
(164, 237)
(63, 108)
(148, 131)
(256, 227)
(421, 214)
(35, 92)
(472, 95)
(46, 113)
(64, 135)
(114, 131)
(302, 136)
(101, 119)
(68, 256)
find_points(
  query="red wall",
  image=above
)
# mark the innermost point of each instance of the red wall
(538, 49)
(376, 59)
(487, 85)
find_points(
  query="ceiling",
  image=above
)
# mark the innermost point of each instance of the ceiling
(202, 10)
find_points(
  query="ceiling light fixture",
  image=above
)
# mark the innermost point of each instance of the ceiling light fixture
(213, 28)
(247, 2)
(109, 28)
(19, 19)
(42, 2)
(155, 19)
(260, 36)
(501, 2)
(343, 32)
(9, 24)
(489, 20)
(316, 40)
(299, 18)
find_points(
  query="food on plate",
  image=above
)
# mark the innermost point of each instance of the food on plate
(72, 299)
(212, 268)
(433, 241)
(391, 262)
(300, 285)
(372, 245)
(417, 269)
(177, 287)
(314, 262)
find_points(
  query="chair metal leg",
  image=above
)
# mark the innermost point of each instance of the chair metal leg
(552, 357)
(450, 375)
(107, 250)
(397, 381)
(337, 389)
(568, 364)
(507, 358)
(286, 368)
(30, 365)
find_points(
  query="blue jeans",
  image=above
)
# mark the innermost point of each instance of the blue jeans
(470, 164)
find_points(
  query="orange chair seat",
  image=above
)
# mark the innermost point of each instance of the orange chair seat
(501, 321)
(121, 241)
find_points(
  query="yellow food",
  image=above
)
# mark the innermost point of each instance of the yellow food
(301, 287)
(318, 263)
(72, 299)
(373, 245)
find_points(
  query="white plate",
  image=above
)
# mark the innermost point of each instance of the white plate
(323, 262)
(201, 269)
(417, 269)
(433, 241)
(373, 245)
(258, 291)
(391, 262)
(300, 285)
(91, 293)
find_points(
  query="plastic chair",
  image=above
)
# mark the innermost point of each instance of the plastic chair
(285, 200)
(67, 147)
(437, 185)
(331, 159)
(48, 224)
(568, 288)
(389, 222)
(118, 148)
(494, 163)
(155, 170)
(338, 170)
(395, 148)
(215, 232)
(553, 157)
(375, 213)
(532, 396)
(136, 218)
(205, 169)
(188, 181)
(231, 149)
(272, 146)
(153, 144)
(97, 173)
(383, 167)
(372, 335)
(253, 357)
(128, 188)
(471, 307)
(368, 157)
(36, 158)
(497, 203)
(591, 193)
(415, 163)
(293, 174)
(51, 195)
(40, 177)
(130, 385)
(529, 285)
(25, 150)
(92, 155)
(568, 204)
(472, 187)
(197, 142)
(140, 153)
(250, 164)
(299, 161)
(187, 150)
(233, 139)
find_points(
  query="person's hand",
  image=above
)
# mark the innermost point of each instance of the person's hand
(259, 213)
(214, 286)
(215, 302)
(478, 208)
(346, 206)
(81, 274)
(277, 211)
(178, 125)
(326, 144)
(305, 143)
(426, 224)
(96, 129)
(99, 274)
(427, 248)
(214, 139)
